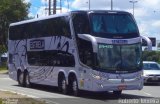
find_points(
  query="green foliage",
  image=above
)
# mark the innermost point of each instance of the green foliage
(0, 101)
(2, 49)
(151, 56)
(3, 67)
(11, 11)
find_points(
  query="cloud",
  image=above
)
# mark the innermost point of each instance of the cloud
(44, 1)
(94, 4)
(26, 1)
(156, 24)
(42, 12)
(31, 15)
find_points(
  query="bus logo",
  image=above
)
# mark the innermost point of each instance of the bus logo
(37, 44)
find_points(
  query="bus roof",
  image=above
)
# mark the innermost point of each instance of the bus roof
(38, 19)
(66, 14)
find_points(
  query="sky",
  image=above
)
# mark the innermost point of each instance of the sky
(146, 12)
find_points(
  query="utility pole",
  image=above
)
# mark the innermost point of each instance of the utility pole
(54, 6)
(49, 9)
(111, 4)
(89, 4)
(133, 2)
(60, 6)
(68, 4)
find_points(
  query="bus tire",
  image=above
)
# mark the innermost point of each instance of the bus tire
(20, 78)
(62, 85)
(27, 80)
(74, 87)
(117, 93)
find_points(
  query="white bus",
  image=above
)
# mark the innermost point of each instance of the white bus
(80, 50)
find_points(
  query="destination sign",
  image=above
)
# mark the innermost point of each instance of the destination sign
(119, 41)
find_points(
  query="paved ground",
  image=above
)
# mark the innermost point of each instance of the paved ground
(150, 94)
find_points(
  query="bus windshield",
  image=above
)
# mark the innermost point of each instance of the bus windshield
(119, 57)
(110, 25)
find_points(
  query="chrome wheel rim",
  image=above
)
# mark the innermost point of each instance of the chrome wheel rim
(27, 80)
(74, 87)
(63, 85)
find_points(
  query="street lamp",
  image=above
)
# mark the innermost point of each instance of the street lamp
(133, 2)
(89, 4)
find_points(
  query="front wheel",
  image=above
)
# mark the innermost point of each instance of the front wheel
(27, 80)
(117, 93)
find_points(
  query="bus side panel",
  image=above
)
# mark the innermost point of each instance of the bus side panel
(45, 60)
(17, 57)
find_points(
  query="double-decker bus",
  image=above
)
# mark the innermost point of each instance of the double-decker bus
(79, 50)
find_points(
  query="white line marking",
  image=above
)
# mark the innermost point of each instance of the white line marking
(147, 93)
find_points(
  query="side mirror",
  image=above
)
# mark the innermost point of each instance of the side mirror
(149, 43)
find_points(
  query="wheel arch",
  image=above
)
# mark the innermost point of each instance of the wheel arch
(61, 74)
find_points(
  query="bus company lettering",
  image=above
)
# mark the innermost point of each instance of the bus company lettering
(37, 44)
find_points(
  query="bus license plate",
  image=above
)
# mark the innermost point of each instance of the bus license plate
(122, 87)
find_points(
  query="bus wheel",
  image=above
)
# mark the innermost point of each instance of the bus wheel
(62, 85)
(117, 93)
(21, 78)
(75, 87)
(27, 80)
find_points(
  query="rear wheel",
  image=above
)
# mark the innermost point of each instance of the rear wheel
(62, 85)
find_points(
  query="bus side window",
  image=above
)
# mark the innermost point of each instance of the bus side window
(81, 23)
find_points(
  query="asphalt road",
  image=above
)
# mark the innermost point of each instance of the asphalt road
(149, 95)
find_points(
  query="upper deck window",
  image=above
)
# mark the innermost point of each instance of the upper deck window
(112, 25)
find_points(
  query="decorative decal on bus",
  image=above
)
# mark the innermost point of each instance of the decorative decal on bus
(37, 44)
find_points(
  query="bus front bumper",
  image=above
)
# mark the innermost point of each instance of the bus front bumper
(118, 85)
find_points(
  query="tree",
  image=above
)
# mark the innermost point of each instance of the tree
(151, 56)
(11, 11)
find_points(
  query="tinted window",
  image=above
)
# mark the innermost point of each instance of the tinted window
(50, 58)
(81, 23)
(51, 27)
(17, 32)
(150, 66)
(110, 25)
(119, 57)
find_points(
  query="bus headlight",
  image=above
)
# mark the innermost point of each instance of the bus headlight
(96, 77)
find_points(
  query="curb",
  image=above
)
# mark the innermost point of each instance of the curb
(21, 94)
(4, 72)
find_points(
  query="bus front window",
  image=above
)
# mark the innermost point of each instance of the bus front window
(119, 57)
